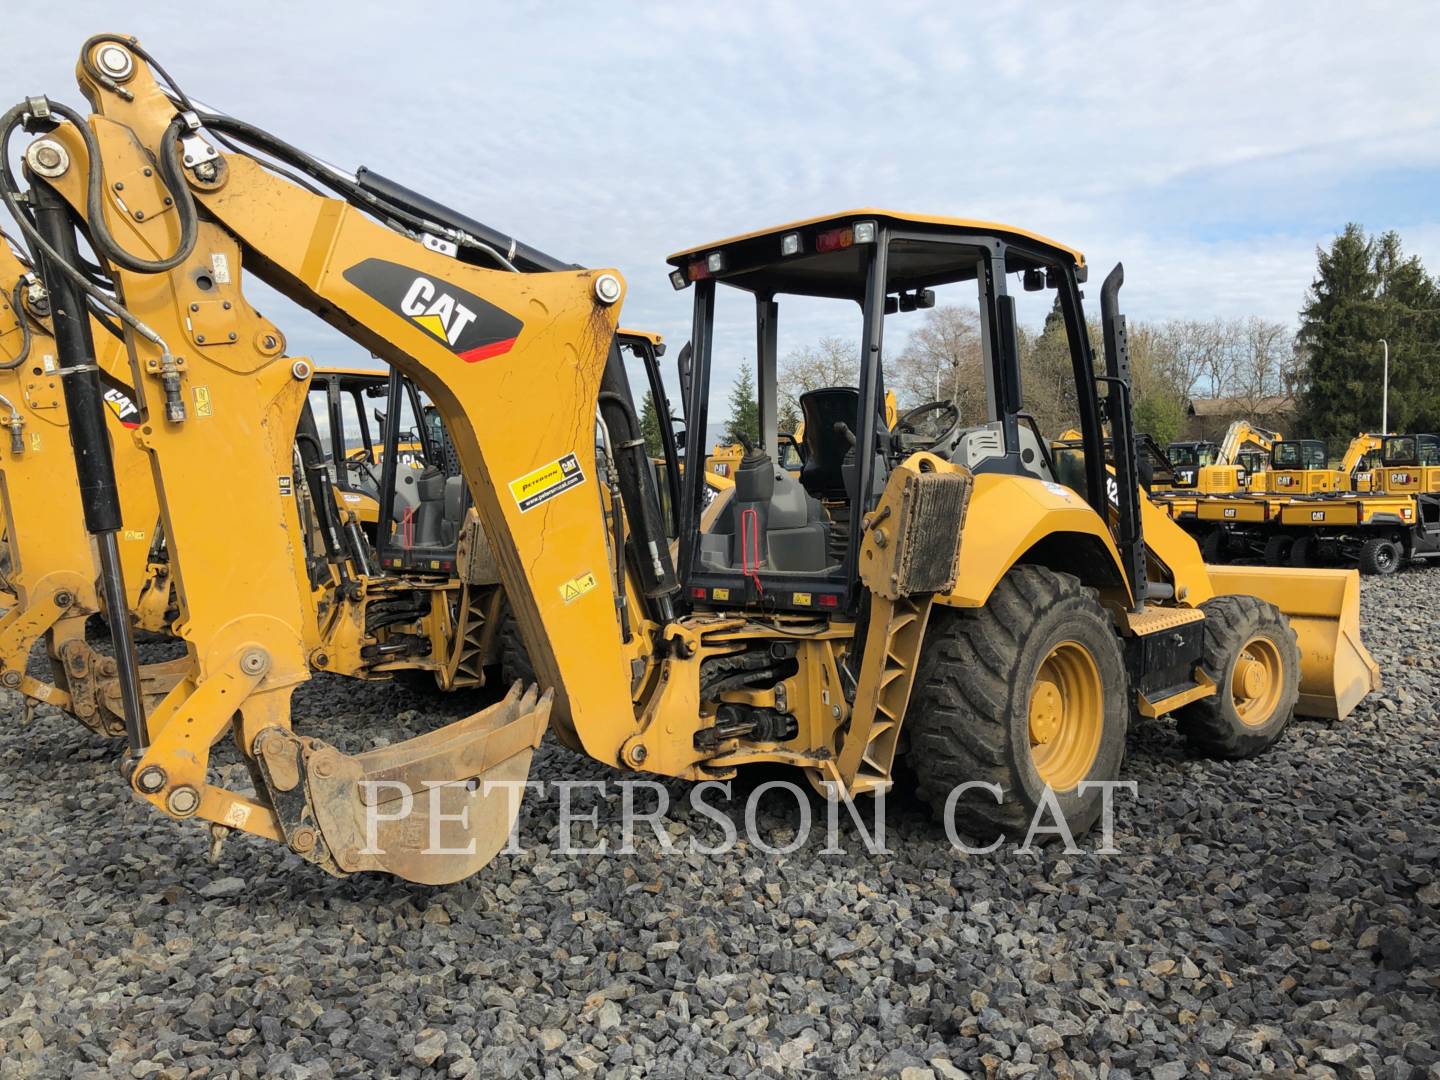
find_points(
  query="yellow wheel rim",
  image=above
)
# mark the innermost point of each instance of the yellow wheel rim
(1257, 680)
(1067, 715)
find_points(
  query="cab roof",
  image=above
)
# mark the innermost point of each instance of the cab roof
(379, 374)
(643, 335)
(827, 262)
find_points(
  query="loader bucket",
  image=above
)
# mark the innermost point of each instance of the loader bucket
(433, 809)
(1336, 670)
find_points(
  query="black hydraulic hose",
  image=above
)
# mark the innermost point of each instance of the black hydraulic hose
(170, 174)
(11, 196)
(17, 302)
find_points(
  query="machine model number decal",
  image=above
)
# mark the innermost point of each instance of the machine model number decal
(577, 587)
(546, 482)
(471, 328)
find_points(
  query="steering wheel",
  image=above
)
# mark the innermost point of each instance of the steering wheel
(932, 426)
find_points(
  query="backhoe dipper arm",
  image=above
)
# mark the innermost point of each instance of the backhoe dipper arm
(515, 363)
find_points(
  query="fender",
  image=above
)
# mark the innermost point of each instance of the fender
(1018, 513)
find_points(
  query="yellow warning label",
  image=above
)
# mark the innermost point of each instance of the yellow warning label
(577, 587)
(800, 599)
(202, 401)
(546, 482)
(720, 594)
(35, 440)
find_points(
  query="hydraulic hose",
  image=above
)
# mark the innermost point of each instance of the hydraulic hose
(17, 302)
(11, 195)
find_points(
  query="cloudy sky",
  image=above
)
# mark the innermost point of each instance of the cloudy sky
(1209, 146)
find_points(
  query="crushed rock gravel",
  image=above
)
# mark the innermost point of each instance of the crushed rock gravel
(1278, 915)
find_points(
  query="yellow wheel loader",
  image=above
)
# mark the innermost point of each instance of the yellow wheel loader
(932, 590)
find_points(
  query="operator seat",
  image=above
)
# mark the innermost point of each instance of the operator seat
(826, 447)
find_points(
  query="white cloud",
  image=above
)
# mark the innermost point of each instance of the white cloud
(1211, 146)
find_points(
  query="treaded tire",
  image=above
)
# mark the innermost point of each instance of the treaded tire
(1277, 550)
(968, 717)
(514, 660)
(1212, 726)
(1305, 551)
(1212, 547)
(1380, 556)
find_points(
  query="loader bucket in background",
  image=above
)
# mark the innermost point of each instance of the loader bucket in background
(1336, 670)
(433, 809)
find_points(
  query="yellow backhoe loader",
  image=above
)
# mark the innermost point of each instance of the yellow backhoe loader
(52, 570)
(931, 590)
(53, 566)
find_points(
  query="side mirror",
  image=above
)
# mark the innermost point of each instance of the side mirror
(685, 363)
(680, 438)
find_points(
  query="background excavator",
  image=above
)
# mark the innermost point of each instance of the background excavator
(931, 590)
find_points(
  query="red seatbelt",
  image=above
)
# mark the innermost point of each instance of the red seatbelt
(750, 535)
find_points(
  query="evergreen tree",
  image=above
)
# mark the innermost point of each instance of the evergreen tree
(650, 426)
(789, 418)
(1366, 289)
(1048, 375)
(744, 410)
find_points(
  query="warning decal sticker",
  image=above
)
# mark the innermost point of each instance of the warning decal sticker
(577, 587)
(546, 482)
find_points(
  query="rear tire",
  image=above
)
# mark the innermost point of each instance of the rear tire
(1212, 547)
(1277, 550)
(1252, 654)
(1380, 556)
(980, 705)
(1304, 551)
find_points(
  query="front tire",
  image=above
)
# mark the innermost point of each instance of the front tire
(1026, 693)
(1304, 551)
(1380, 556)
(1252, 655)
(1277, 550)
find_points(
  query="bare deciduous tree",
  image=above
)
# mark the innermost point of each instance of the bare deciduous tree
(941, 362)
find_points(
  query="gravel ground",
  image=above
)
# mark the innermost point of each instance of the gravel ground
(1278, 915)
